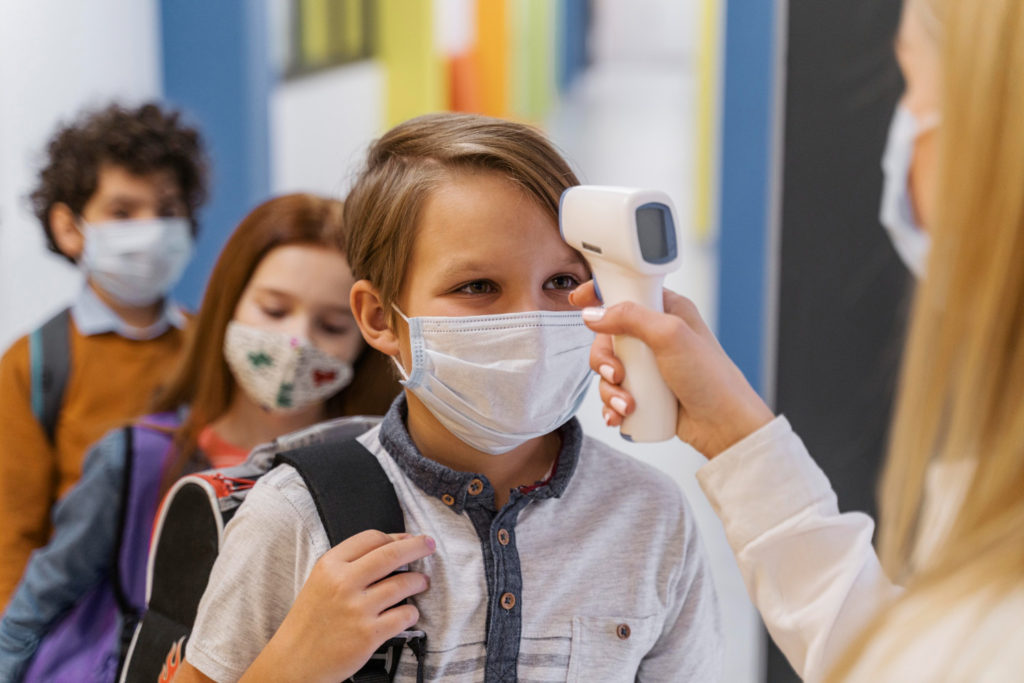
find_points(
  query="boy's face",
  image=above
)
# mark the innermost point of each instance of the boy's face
(122, 195)
(485, 247)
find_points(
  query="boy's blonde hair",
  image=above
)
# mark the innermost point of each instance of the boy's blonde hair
(962, 385)
(412, 159)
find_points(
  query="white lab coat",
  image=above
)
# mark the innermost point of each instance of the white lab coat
(814, 575)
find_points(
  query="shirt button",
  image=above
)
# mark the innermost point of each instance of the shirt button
(503, 536)
(622, 631)
(448, 499)
(475, 487)
(508, 601)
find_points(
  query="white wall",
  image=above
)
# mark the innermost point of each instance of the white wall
(320, 126)
(55, 58)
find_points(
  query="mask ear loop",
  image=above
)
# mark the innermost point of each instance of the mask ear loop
(395, 359)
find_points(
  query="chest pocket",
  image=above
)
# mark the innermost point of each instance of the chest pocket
(610, 648)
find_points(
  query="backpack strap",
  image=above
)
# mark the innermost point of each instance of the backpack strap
(129, 615)
(50, 364)
(348, 485)
(352, 494)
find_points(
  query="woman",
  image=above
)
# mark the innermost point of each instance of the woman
(948, 603)
(274, 349)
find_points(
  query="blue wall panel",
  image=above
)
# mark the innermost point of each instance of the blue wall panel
(216, 68)
(747, 168)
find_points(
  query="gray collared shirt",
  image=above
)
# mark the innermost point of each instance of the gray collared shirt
(92, 316)
(595, 575)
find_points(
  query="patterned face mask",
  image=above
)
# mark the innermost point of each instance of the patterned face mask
(279, 372)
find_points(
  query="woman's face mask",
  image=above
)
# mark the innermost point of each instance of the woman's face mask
(897, 214)
(280, 372)
(497, 381)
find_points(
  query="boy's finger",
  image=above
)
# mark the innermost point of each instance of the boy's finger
(397, 619)
(396, 588)
(386, 559)
(354, 547)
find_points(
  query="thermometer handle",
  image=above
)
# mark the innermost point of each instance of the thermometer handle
(656, 407)
(657, 410)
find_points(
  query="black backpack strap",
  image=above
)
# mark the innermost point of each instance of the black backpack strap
(50, 365)
(129, 615)
(348, 485)
(352, 494)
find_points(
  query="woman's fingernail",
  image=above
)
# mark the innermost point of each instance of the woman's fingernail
(431, 543)
(608, 372)
(593, 313)
(619, 405)
(607, 414)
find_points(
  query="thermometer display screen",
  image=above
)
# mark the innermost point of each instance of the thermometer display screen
(656, 233)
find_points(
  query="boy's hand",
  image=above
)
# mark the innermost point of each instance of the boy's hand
(718, 407)
(346, 609)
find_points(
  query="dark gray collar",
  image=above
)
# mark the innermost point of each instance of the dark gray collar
(453, 487)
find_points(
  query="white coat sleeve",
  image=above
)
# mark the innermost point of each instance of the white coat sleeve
(811, 571)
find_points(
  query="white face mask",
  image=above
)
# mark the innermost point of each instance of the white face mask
(279, 372)
(137, 262)
(497, 381)
(897, 212)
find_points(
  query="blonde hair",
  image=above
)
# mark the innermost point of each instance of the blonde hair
(402, 168)
(962, 383)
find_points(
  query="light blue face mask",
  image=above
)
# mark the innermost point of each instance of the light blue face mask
(497, 381)
(911, 241)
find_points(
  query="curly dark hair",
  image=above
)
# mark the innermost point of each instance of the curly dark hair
(141, 140)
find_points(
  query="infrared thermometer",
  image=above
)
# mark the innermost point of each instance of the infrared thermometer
(629, 239)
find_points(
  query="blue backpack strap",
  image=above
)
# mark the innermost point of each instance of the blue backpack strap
(50, 364)
(148, 444)
(352, 494)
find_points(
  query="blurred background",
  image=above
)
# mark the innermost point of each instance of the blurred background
(763, 119)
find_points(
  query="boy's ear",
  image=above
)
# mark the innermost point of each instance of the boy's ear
(372, 318)
(66, 234)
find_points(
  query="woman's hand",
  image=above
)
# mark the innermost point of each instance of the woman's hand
(718, 407)
(347, 608)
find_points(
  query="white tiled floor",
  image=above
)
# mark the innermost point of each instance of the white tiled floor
(633, 124)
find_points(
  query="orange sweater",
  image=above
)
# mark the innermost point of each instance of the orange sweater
(112, 380)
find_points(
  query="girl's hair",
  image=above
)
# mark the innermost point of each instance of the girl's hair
(409, 161)
(962, 384)
(203, 381)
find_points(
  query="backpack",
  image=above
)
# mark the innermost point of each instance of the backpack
(89, 641)
(49, 352)
(351, 492)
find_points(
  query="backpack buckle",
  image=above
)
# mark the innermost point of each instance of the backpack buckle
(383, 664)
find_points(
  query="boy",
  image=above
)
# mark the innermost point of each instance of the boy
(118, 198)
(552, 556)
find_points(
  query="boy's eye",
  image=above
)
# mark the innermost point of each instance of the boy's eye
(478, 287)
(171, 211)
(564, 281)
